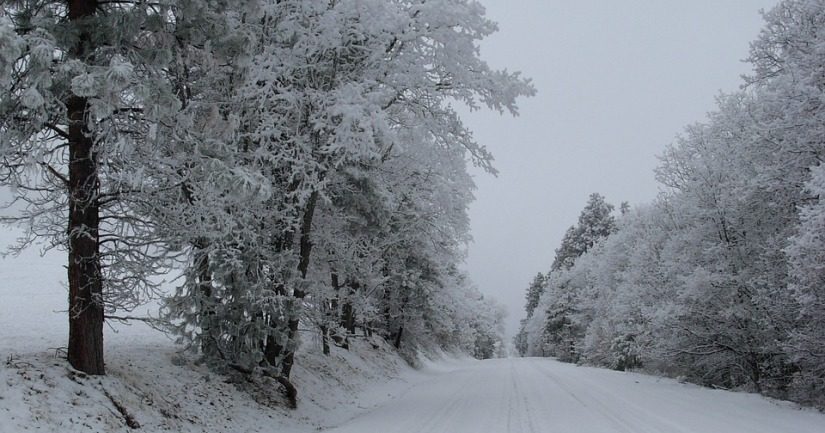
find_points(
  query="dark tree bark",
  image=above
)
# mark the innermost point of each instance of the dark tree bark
(209, 346)
(200, 257)
(273, 350)
(340, 340)
(347, 311)
(303, 266)
(85, 351)
(398, 336)
(325, 339)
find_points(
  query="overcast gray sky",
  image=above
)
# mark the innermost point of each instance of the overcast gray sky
(617, 80)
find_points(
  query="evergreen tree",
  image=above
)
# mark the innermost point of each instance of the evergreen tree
(534, 292)
(532, 298)
(719, 280)
(79, 112)
(562, 331)
(595, 222)
(293, 160)
(554, 332)
(329, 113)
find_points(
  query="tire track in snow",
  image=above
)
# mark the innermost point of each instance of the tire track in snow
(639, 411)
(544, 396)
(617, 422)
(524, 416)
(442, 414)
(630, 419)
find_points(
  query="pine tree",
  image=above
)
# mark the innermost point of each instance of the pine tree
(595, 222)
(76, 116)
(534, 292)
(330, 98)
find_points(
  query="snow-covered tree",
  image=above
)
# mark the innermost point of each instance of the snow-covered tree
(79, 113)
(534, 292)
(595, 222)
(718, 280)
(562, 330)
(806, 252)
(340, 111)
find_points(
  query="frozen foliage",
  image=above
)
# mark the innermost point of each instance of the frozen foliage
(341, 111)
(364, 389)
(294, 164)
(11, 45)
(720, 279)
(806, 252)
(551, 328)
(86, 91)
(595, 222)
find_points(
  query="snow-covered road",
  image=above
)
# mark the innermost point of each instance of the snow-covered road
(541, 395)
(521, 395)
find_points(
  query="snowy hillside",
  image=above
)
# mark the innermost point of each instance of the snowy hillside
(150, 387)
(156, 387)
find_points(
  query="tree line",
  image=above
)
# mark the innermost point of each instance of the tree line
(720, 280)
(297, 164)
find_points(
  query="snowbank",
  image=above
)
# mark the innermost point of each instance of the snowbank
(150, 384)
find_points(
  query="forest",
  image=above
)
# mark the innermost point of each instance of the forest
(268, 173)
(720, 280)
(295, 166)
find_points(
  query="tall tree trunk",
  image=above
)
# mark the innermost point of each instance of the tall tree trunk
(298, 293)
(340, 340)
(325, 339)
(273, 350)
(348, 317)
(209, 346)
(398, 337)
(85, 284)
(347, 311)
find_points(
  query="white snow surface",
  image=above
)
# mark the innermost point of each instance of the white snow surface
(541, 395)
(363, 390)
(162, 389)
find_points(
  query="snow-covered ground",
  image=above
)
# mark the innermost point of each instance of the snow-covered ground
(160, 391)
(541, 395)
(362, 391)
(159, 388)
